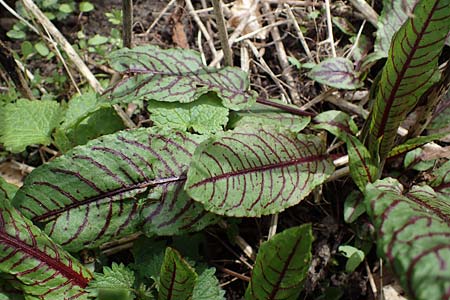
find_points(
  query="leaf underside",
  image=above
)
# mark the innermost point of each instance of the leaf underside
(252, 172)
(175, 75)
(410, 70)
(414, 234)
(281, 265)
(38, 265)
(112, 186)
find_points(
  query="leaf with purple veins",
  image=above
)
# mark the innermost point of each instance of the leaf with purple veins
(336, 72)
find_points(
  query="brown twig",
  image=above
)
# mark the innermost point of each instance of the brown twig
(223, 34)
(127, 23)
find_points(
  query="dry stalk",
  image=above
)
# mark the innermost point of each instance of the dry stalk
(127, 24)
(223, 34)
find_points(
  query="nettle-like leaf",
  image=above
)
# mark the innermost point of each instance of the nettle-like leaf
(363, 168)
(116, 282)
(337, 123)
(260, 114)
(175, 75)
(393, 15)
(28, 122)
(41, 269)
(204, 116)
(281, 265)
(112, 186)
(410, 70)
(207, 287)
(336, 72)
(413, 232)
(177, 279)
(256, 171)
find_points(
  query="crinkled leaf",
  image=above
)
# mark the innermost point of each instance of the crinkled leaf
(336, 72)
(336, 122)
(28, 122)
(177, 279)
(207, 287)
(410, 70)
(116, 282)
(363, 168)
(175, 75)
(259, 114)
(353, 206)
(106, 189)
(413, 232)
(256, 171)
(393, 15)
(39, 266)
(414, 143)
(204, 116)
(281, 265)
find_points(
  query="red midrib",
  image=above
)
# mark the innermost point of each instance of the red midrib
(405, 67)
(64, 270)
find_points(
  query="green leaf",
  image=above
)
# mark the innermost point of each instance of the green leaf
(336, 72)
(28, 122)
(178, 278)
(415, 161)
(86, 6)
(65, 8)
(413, 231)
(282, 265)
(8, 292)
(344, 25)
(393, 15)
(337, 123)
(207, 287)
(354, 255)
(175, 75)
(97, 40)
(260, 114)
(114, 186)
(363, 168)
(38, 265)
(411, 68)
(441, 115)
(7, 190)
(256, 171)
(27, 49)
(16, 34)
(204, 116)
(41, 48)
(148, 257)
(414, 143)
(115, 283)
(353, 206)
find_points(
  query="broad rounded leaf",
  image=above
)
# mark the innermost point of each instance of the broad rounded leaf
(103, 190)
(281, 265)
(413, 232)
(337, 72)
(40, 267)
(177, 277)
(175, 75)
(337, 123)
(252, 172)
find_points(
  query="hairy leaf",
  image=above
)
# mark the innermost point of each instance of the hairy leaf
(28, 122)
(336, 72)
(393, 15)
(204, 116)
(110, 186)
(207, 287)
(116, 282)
(409, 71)
(39, 266)
(260, 114)
(253, 172)
(175, 75)
(281, 265)
(178, 278)
(363, 168)
(337, 123)
(413, 235)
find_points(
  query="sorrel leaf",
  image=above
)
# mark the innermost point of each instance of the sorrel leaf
(337, 72)
(256, 171)
(363, 168)
(410, 70)
(38, 265)
(204, 116)
(353, 206)
(281, 265)
(177, 279)
(28, 122)
(393, 15)
(413, 232)
(260, 114)
(175, 75)
(95, 192)
(337, 123)
(414, 143)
